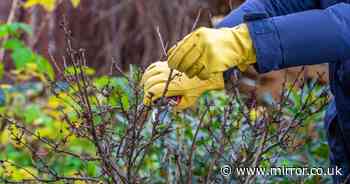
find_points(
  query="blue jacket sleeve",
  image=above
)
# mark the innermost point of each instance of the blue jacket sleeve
(270, 8)
(305, 38)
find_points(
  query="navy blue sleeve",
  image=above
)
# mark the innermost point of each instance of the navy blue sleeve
(270, 8)
(304, 38)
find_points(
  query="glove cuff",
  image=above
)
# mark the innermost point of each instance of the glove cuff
(243, 46)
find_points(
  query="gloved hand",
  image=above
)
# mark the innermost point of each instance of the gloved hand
(156, 76)
(207, 51)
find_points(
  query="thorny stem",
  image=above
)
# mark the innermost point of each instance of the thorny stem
(171, 70)
(77, 59)
(193, 146)
(258, 155)
(164, 101)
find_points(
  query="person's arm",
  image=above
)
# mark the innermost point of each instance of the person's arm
(266, 8)
(304, 38)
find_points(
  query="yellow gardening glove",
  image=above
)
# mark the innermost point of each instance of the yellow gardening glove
(207, 51)
(156, 76)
